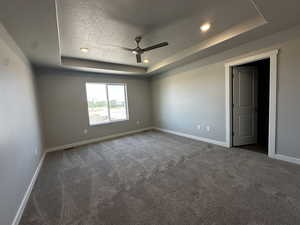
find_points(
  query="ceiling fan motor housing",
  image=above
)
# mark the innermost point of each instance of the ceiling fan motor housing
(138, 39)
(138, 51)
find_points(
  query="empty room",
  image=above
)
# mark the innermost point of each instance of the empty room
(139, 112)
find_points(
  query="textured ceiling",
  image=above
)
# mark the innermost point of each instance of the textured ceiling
(98, 24)
(50, 29)
(142, 13)
(33, 26)
(185, 33)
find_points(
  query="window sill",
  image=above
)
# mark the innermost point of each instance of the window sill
(106, 123)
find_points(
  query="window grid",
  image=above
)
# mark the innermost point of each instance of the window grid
(108, 103)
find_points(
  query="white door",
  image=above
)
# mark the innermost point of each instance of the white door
(244, 105)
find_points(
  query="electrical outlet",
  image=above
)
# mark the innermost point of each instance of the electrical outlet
(85, 131)
(199, 127)
(208, 128)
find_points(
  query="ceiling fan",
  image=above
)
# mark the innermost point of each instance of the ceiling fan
(138, 51)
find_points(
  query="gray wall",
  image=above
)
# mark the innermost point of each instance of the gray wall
(20, 140)
(64, 106)
(184, 99)
(195, 93)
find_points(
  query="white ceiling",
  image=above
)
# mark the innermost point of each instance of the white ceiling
(96, 24)
(33, 26)
(46, 31)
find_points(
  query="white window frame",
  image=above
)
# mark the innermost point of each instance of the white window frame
(108, 104)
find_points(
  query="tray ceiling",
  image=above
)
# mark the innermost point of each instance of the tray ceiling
(101, 25)
(49, 31)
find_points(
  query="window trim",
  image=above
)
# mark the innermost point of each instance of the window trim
(108, 104)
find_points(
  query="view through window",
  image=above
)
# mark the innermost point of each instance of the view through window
(106, 102)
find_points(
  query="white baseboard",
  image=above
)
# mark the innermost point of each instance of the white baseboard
(20, 211)
(287, 158)
(90, 141)
(208, 140)
(224, 144)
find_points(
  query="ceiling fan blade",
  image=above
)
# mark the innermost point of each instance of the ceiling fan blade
(110, 47)
(156, 46)
(138, 58)
(127, 49)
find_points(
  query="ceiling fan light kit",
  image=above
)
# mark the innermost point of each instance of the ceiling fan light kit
(85, 50)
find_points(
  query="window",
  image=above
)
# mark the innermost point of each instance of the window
(106, 102)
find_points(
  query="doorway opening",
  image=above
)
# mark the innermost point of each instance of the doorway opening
(250, 105)
(272, 56)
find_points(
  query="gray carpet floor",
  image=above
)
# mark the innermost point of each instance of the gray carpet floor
(153, 178)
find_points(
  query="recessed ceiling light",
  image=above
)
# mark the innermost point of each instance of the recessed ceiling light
(146, 60)
(85, 50)
(205, 27)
